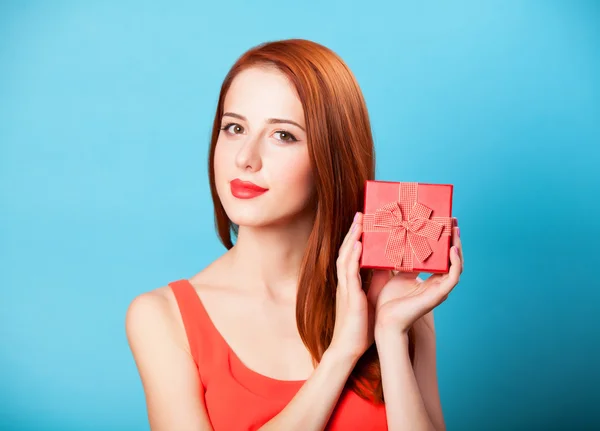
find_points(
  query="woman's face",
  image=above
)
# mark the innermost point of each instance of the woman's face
(263, 141)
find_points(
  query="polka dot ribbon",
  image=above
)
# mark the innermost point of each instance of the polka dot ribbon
(409, 224)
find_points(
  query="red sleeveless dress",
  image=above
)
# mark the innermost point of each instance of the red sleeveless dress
(238, 398)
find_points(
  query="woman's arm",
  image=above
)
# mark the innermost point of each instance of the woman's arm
(426, 370)
(411, 391)
(174, 396)
(170, 378)
(311, 407)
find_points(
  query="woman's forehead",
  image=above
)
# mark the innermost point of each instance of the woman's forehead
(259, 93)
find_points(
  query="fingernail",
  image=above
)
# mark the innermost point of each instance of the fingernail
(458, 232)
(456, 251)
(355, 216)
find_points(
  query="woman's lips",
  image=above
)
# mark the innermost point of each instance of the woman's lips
(245, 189)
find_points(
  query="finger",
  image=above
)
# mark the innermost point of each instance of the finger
(346, 248)
(357, 219)
(456, 242)
(353, 281)
(439, 286)
(451, 279)
(455, 266)
(435, 278)
(341, 260)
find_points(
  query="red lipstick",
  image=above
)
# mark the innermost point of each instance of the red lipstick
(245, 189)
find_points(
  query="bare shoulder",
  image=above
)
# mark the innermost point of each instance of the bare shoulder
(150, 302)
(167, 370)
(156, 312)
(152, 311)
(153, 302)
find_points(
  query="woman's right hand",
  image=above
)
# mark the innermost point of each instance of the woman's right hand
(354, 315)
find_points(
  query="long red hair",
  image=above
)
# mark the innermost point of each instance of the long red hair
(342, 154)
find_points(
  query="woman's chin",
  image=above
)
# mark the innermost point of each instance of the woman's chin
(264, 215)
(259, 219)
(248, 219)
(248, 223)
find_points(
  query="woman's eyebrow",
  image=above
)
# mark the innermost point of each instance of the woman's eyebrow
(283, 120)
(269, 120)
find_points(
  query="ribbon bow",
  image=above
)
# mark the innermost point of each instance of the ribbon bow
(409, 225)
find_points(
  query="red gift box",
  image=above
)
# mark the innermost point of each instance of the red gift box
(407, 226)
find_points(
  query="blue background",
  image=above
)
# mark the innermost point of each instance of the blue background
(105, 115)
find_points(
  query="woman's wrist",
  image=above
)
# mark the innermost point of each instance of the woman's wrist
(340, 359)
(420, 326)
(386, 334)
(313, 404)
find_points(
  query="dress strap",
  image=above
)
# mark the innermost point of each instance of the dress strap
(206, 344)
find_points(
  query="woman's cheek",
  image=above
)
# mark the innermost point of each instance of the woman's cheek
(296, 178)
(223, 162)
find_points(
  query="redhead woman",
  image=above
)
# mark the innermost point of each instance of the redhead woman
(284, 331)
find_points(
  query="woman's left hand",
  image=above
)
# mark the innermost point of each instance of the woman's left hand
(401, 299)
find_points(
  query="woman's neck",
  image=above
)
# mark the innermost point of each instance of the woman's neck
(268, 258)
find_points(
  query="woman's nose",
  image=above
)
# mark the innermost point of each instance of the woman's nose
(248, 156)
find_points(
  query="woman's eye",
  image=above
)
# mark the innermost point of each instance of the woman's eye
(233, 128)
(286, 136)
